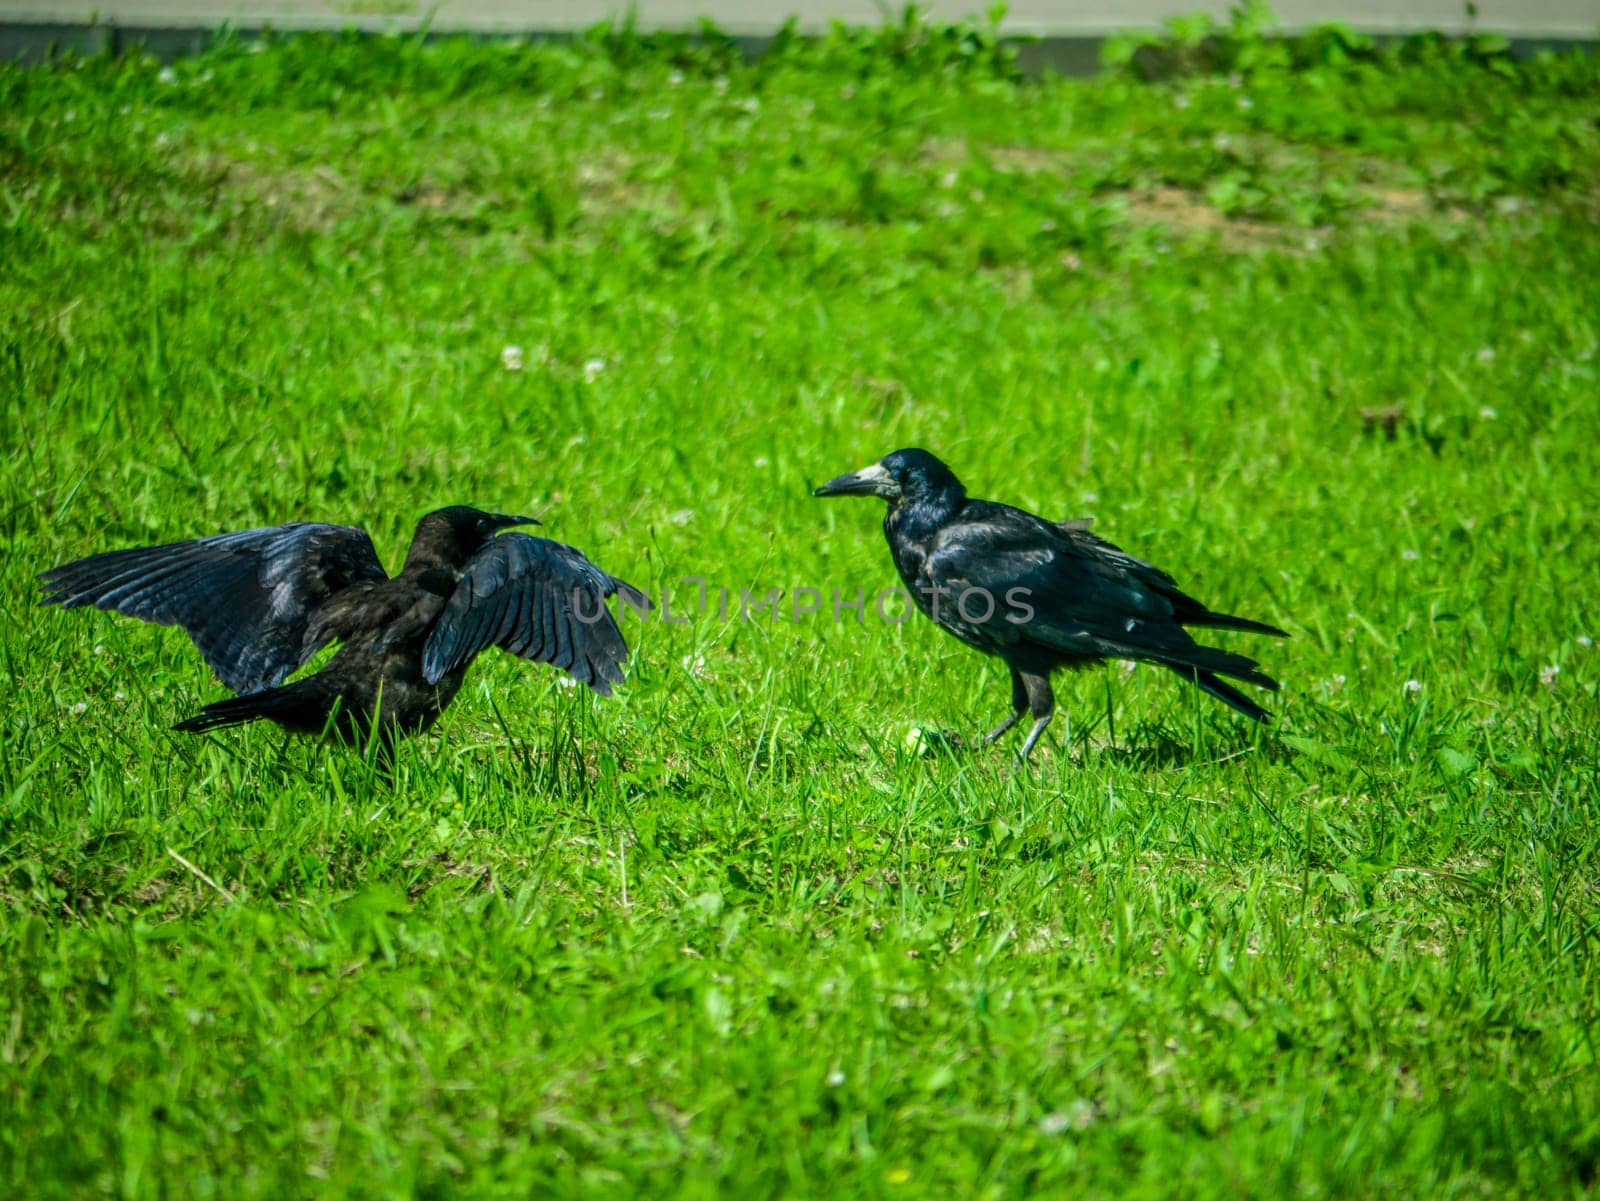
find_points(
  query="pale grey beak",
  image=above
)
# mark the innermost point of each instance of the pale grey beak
(869, 481)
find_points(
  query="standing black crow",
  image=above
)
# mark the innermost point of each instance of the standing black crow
(1039, 594)
(260, 603)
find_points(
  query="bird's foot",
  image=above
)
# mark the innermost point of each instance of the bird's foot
(999, 731)
(1033, 737)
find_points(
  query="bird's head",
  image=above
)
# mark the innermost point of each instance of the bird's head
(453, 535)
(906, 475)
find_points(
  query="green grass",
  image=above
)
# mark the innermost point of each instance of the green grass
(724, 934)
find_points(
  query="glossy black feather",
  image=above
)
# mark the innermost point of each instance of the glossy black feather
(260, 603)
(538, 599)
(1089, 599)
(247, 599)
(1041, 595)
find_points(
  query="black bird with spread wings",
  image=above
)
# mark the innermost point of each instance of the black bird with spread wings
(260, 603)
(1040, 594)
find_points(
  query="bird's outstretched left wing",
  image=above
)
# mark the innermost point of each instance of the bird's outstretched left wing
(248, 599)
(539, 599)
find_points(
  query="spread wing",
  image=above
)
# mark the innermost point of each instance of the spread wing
(538, 599)
(248, 599)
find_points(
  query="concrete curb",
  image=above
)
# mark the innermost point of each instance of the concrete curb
(33, 37)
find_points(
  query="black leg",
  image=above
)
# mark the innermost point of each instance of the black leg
(1019, 705)
(1042, 704)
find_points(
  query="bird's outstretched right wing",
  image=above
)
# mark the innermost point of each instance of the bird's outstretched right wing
(539, 599)
(248, 598)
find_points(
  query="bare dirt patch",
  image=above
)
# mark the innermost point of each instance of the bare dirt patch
(315, 199)
(309, 199)
(1373, 191)
(614, 182)
(1187, 214)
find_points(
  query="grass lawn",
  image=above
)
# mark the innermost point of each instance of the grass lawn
(1313, 327)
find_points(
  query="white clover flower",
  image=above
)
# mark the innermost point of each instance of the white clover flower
(1410, 556)
(835, 1078)
(1412, 686)
(1548, 674)
(1485, 354)
(119, 697)
(1077, 1116)
(167, 75)
(695, 665)
(592, 369)
(511, 358)
(1487, 414)
(1585, 640)
(80, 709)
(763, 461)
(1246, 103)
(675, 79)
(1336, 683)
(681, 516)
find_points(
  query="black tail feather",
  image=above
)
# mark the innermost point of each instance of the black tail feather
(1226, 621)
(273, 704)
(1225, 692)
(1211, 660)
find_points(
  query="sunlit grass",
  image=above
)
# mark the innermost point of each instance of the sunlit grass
(1329, 357)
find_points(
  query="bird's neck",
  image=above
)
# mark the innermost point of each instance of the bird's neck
(912, 516)
(432, 550)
